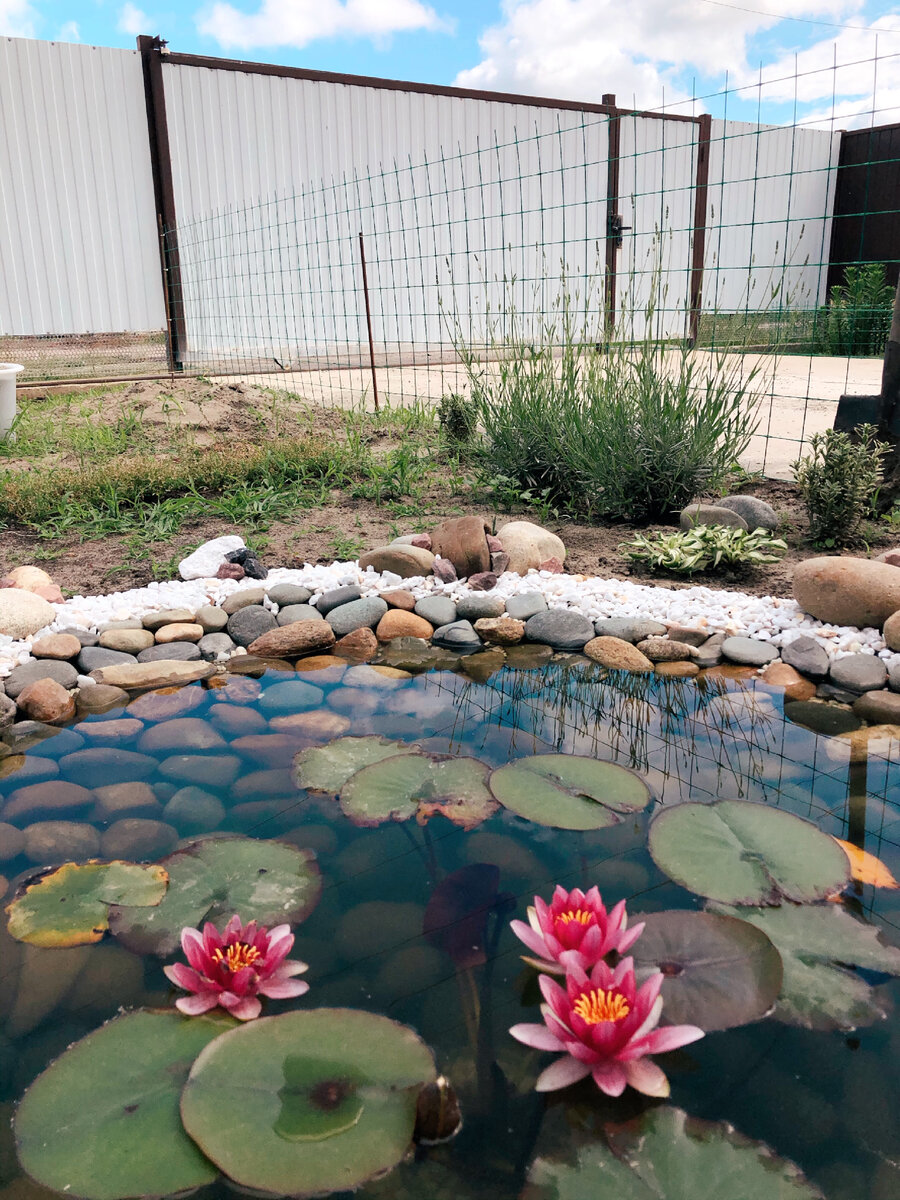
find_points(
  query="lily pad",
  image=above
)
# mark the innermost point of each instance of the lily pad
(738, 852)
(327, 768)
(420, 785)
(128, 1140)
(214, 878)
(818, 945)
(569, 791)
(309, 1102)
(667, 1155)
(719, 971)
(69, 905)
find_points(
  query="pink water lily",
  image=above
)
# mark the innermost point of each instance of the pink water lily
(575, 928)
(235, 967)
(605, 1026)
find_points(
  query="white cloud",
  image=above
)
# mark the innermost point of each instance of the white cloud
(133, 20)
(17, 18)
(298, 22)
(69, 32)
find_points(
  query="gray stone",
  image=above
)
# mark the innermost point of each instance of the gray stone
(53, 798)
(215, 647)
(171, 652)
(561, 628)
(241, 599)
(879, 707)
(127, 623)
(473, 608)
(439, 610)
(293, 695)
(44, 668)
(101, 698)
(49, 842)
(211, 618)
(805, 655)
(858, 673)
(167, 616)
(748, 651)
(285, 594)
(709, 653)
(336, 597)
(63, 741)
(827, 691)
(757, 513)
(84, 635)
(25, 734)
(181, 733)
(7, 711)
(629, 629)
(415, 655)
(688, 635)
(894, 678)
(298, 612)
(192, 810)
(458, 635)
(358, 614)
(827, 719)
(33, 769)
(250, 623)
(525, 605)
(138, 838)
(121, 800)
(213, 770)
(105, 765)
(709, 514)
(12, 842)
(92, 658)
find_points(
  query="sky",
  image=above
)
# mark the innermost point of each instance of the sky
(815, 61)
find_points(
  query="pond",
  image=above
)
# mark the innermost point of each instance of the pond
(412, 920)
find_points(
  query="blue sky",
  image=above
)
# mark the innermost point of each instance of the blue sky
(648, 52)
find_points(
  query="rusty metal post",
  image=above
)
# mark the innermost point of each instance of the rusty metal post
(365, 283)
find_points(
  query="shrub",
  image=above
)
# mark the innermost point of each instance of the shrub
(703, 548)
(837, 481)
(458, 417)
(857, 319)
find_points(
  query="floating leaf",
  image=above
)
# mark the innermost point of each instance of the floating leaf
(214, 878)
(457, 913)
(866, 868)
(102, 1122)
(739, 852)
(327, 768)
(818, 944)
(309, 1102)
(420, 785)
(569, 791)
(667, 1155)
(69, 905)
(719, 971)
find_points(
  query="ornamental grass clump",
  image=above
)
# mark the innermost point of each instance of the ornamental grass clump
(704, 548)
(838, 481)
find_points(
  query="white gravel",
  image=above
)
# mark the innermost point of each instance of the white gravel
(773, 619)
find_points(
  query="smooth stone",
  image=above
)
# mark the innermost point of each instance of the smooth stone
(46, 700)
(33, 769)
(173, 652)
(252, 664)
(52, 798)
(181, 733)
(617, 654)
(336, 598)
(25, 734)
(780, 674)
(8, 710)
(472, 608)
(629, 630)
(276, 783)
(211, 618)
(250, 623)
(462, 540)
(192, 810)
(828, 691)
(677, 670)
(525, 605)
(709, 514)
(131, 623)
(288, 594)
(118, 800)
(528, 545)
(112, 733)
(213, 770)
(167, 616)
(879, 707)
(748, 652)
(416, 655)
(807, 656)
(56, 645)
(358, 614)
(821, 718)
(291, 696)
(847, 591)
(296, 639)
(298, 612)
(500, 631)
(49, 842)
(63, 741)
(858, 673)
(321, 725)
(399, 599)
(234, 689)
(561, 628)
(891, 632)
(399, 622)
(688, 635)
(206, 559)
(105, 765)
(437, 610)
(327, 668)
(233, 720)
(95, 658)
(215, 647)
(244, 598)
(894, 678)
(709, 653)
(100, 698)
(659, 649)
(164, 703)
(274, 750)
(528, 656)
(756, 513)
(367, 676)
(406, 562)
(138, 838)
(180, 631)
(457, 635)
(264, 818)
(12, 842)
(27, 577)
(129, 641)
(30, 672)
(481, 665)
(85, 636)
(23, 613)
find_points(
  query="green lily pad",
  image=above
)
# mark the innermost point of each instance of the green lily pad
(69, 905)
(569, 791)
(739, 852)
(667, 1155)
(310, 1102)
(214, 878)
(719, 971)
(818, 945)
(327, 768)
(422, 785)
(102, 1122)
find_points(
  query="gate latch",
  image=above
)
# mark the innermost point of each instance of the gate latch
(615, 228)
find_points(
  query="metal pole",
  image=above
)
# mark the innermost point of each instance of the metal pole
(365, 283)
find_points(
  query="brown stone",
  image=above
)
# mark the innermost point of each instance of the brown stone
(361, 645)
(100, 698)
(499, 562)
(234, 689)
(268, 749)
(167, 616)
(780, 674)
(406, 561)
(56, 645)
(421, 540)
(879, 707)
(529, 545)
(46, 700)
(891, 557)
(110, 733)
(690, 635)
(847, 591)
(462, 540)
(49, 842)
(398, 623)
(12, 842)
(484, 581)
(617, 654)
(321, 725)
(229, 570)
(46, 799)
(729, 671)
(163, 703)
(397, 599)
(891, 631)
(127, 641)
(29, 579)
(234, 720)
(677, 670)
(179, 631)
(138, 838)
(659, 649)
(500, 631)
(444, 570)
(164, 673)
(298, 638)
(553, 565)
(52, 593)
(118, 800)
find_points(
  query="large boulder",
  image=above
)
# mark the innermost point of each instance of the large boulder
(463, 540)
(528, 545)
(847, 591)
(406, 561)
(24, 613)
(710, 514)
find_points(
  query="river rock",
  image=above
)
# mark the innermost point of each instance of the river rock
(273, 750)
(858, 673)
(26, 734)
(462, 540)
(273, 783)
(677, 670)
(406, 562)
(12, 842)
(28, 578)
(210, 770)
(193, 810)
(51, 842)
(500, 631)
(8, 711)
(659, 649)
(847, 591)
(215, 647)
(891, 631)
(529, 545)
(320, 725)
(179, 631)
(617, 654)
(709, 514)
(457, 635)
(444, 570)
(206, 559)
(561, 628)
(894, 678)
(33, 769)
(61, 646)
(748, 652)
(398, 622)
(293, 695)
(181, 733)
(52, 798)
(234, 720)
(757, 513)
(474, 607)
(399, 599)
(780, 674)
(284, 594)
(164, 703)
(118, 800)
(23, 613)
(30, 672)
(358, 614)
(296, 639)
(128, 641)
(172, 652)
(437, 610)
(105, 765)
(123, 623)
(805, 655)
(337, 597)
(94, 658)
(243, 598)
(879, 707)
(826, 719)
(138, 838)
(211, 618)
(292, 613)
(250, 623)
(689, 635)
(359, 646)
(46, 700)
(629, 629)
(525, 605)
(117, 732)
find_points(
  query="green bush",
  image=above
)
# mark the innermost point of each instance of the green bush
(857, 318)
(458, 417)
(704, 548)
(838, 480)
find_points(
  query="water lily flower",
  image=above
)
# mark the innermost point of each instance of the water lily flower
(235, 967)
(605, 1026)
(575, 928)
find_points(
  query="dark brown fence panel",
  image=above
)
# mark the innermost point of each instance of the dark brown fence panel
(866, 225)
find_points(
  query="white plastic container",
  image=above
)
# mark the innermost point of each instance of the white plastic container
(8, 373)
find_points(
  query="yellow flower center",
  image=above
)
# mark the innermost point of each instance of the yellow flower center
(596, 1006)
(579, 914)
(237, 956)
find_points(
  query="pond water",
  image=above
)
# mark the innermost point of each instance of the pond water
(828, 1100)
